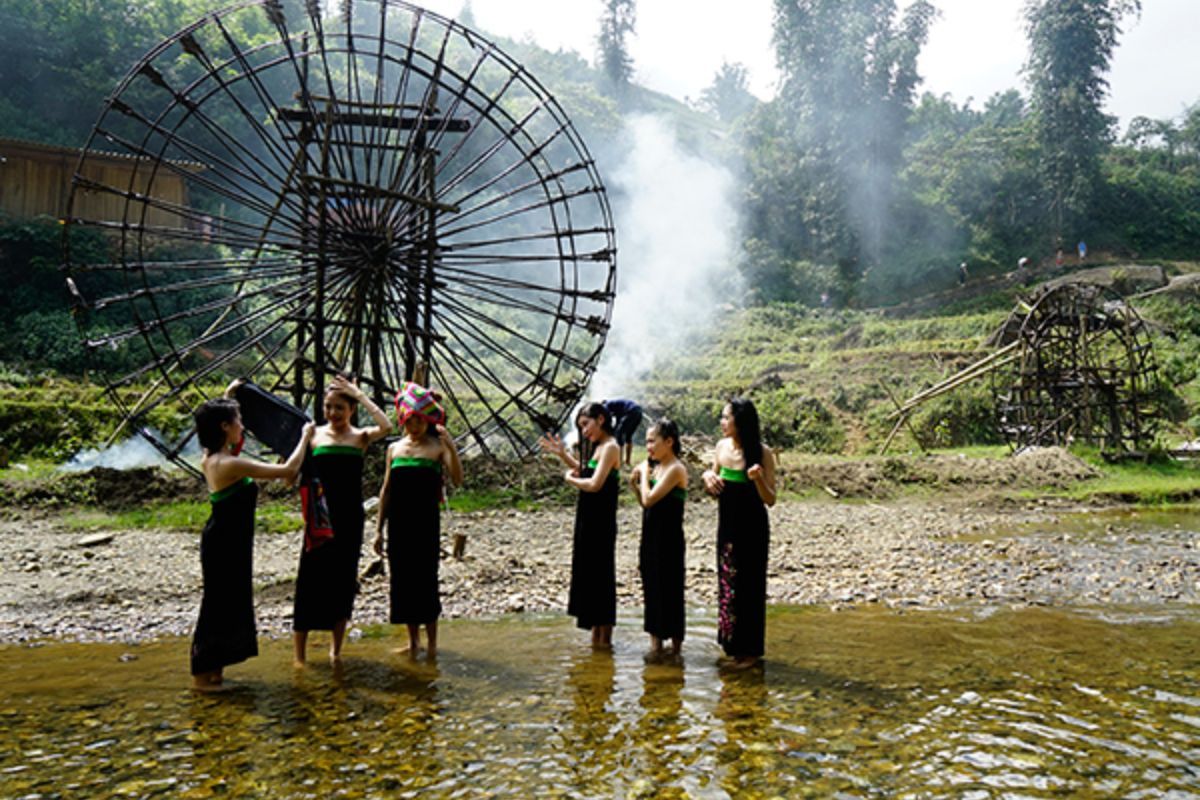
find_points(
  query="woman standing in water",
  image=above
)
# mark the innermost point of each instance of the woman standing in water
(327, 579)
(410, 507)
(593, 595)
(225, 631)
(742, 478)
(660, 484)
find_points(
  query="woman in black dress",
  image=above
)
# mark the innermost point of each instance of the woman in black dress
(593, 595)
(327, 578)
(410, 508)
(225, 631)
(742, 478)
(660, 484)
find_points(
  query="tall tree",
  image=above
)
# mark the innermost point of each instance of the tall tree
(616, 25)
(1071, 43)
(728, 96)
(849, 76)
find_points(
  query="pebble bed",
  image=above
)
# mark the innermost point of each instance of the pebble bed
(135, 585)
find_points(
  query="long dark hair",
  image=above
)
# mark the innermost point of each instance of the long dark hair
(667, 429)
(209, 416)
(745, 419)
(595, 411)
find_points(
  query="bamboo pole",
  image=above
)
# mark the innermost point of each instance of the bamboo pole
(994, 361)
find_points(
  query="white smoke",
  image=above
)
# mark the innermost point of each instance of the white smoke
(132, 453)
(676, 224)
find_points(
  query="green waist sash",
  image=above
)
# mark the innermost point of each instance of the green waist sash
(615, 473)
(230, 490)
(408, 461)
(679, 492)
(734, 475)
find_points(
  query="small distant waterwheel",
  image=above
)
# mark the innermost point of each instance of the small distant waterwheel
(365, 190)
(1083, 371)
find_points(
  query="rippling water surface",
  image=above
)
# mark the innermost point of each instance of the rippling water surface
(863, 703)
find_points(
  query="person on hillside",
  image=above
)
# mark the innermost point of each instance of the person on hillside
(410, 508)
(962, 274)
(327, 578)
(593, 595)
(1082, 250)
(626, 416)
(742, 478)
(226, 632)
(660, 485)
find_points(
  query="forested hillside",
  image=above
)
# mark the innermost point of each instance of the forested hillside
(856, 189)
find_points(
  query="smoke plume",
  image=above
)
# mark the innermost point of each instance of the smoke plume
(132, 453)
(676, 226)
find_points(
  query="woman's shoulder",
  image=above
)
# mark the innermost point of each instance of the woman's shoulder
(219, 469)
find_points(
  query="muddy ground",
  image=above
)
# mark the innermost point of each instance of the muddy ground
(967, 540)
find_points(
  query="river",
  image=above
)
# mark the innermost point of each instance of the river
(869, 702)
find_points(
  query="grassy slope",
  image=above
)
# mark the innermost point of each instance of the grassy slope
(820, 378)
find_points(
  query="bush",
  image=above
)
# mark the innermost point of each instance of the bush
(790, 419)
(961, 418)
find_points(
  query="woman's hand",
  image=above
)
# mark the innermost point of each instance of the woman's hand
(306, 433)
(713, 483)
(755, 472)
(344, 385)
(444, 436)
(231, 389)
(552, 444)
(377, 545)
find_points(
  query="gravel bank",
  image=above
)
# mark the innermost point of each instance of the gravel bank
(125, 585)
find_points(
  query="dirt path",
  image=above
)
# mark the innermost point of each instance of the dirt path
(141, 585)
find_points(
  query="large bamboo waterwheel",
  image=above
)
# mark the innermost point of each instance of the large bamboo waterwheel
(1083, 371)
(363, 192)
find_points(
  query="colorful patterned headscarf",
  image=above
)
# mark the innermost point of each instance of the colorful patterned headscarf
(416, 399)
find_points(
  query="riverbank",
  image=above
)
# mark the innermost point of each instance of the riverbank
(955, 549)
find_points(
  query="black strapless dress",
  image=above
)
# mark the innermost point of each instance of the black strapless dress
(225, 631)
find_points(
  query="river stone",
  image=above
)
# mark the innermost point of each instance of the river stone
(94, 539)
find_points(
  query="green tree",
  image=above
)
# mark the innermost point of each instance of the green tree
(838, 129)
(978, 168)
(1071, 43)
(617, 23)
(728, 96)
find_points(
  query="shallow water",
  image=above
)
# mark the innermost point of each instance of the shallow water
(864, 703)
(1179, 525)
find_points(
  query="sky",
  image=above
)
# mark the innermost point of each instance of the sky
(975, 48)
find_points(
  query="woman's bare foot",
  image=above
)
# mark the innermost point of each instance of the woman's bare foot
(208, 682)
(744, 662)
